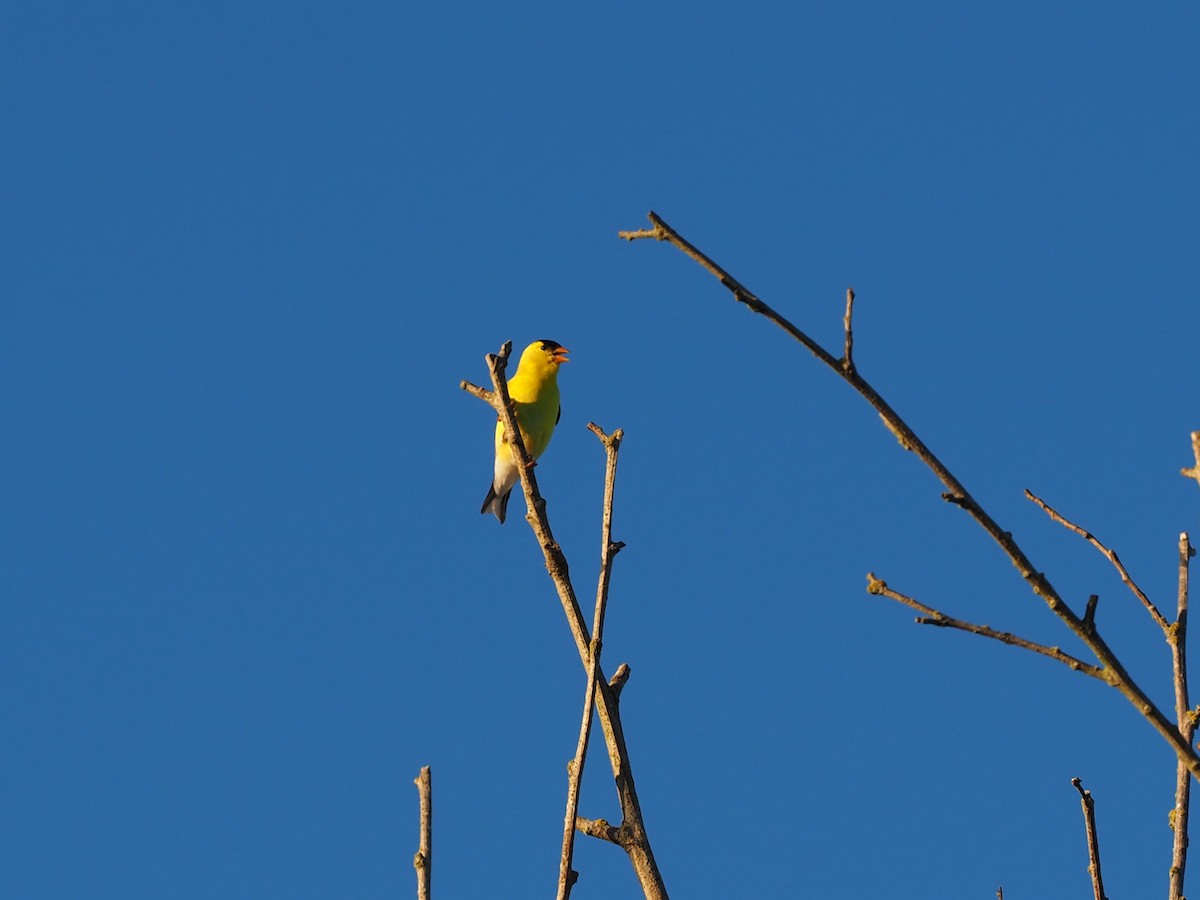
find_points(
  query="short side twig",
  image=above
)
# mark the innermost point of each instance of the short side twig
(619, 677)
(423, 860)
(1093, 842)
(1110, 555)
(600, 829)
(848, 351)
(1186, 717)
(931, 616)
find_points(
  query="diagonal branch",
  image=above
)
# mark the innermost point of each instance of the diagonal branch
(664, 232)
(1110, 555)
(634, 840)
(1114, 672)
(931, 616)
(1176, 635)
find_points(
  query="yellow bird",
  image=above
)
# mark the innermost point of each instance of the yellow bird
(534, 390)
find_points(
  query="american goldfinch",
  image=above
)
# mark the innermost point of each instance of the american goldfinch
(534, 390)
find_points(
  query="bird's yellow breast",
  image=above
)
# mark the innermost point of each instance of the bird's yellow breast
(536, 420)
(534, 390)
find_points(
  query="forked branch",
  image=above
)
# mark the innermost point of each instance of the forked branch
(634, 840)
(1110, 555)
(1185, 718)
(1110, 666)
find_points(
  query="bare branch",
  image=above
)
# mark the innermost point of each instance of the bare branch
(566, 875)
(1186, 718)
(1089, 824)
(848, 352)
(599, 828)
(617, 682)
(1110, 555)
(932, 616)
(664, 232)
(476, 391)
(608, 549)
(637, 842)
(1115, 673)
(423, 859)
(655, 233)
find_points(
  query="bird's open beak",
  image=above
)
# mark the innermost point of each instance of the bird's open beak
(560, 355)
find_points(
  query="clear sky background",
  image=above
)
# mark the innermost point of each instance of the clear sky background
(251, 249)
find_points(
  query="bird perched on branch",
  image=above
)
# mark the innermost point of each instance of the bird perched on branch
(534, 390)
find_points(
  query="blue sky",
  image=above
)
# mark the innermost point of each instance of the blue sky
(251, 249)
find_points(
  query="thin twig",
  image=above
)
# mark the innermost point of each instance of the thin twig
(1109, 554)
(423, 859)
(634, 840)
(1186, 717)
(1114, 671)
(608, 548)
(1093, 842)
(566, 875)
(936, 617)
(848, 352)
